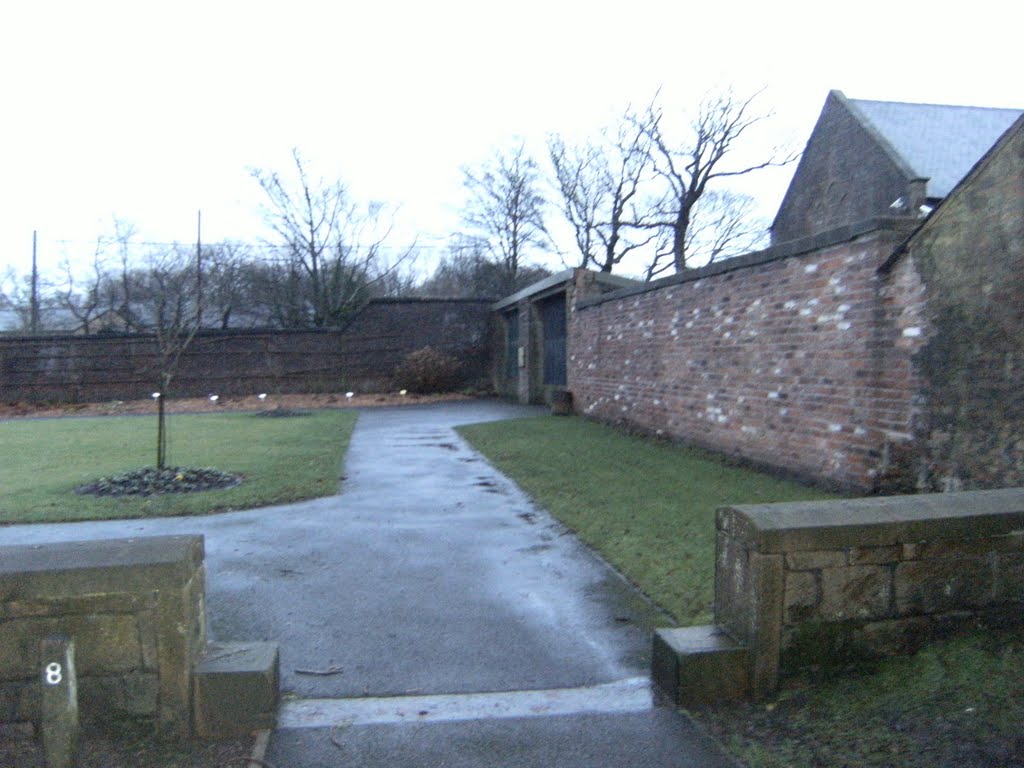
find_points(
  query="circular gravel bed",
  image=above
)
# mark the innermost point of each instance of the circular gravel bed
(282, 413)
(150, 481)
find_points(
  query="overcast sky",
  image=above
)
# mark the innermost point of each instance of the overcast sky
(151, 111)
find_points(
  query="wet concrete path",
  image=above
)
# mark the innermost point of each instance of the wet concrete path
(460, 623)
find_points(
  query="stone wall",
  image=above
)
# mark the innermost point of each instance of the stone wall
(820, 582)
(796, 358)
(968, 261)
(135, 611)
(360, 357)
(844, 176)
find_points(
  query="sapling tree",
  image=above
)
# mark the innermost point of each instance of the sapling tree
(167, 286)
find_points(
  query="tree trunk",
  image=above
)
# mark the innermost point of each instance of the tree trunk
(679, 230)
(161, 433)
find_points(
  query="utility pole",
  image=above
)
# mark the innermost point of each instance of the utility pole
(199, 269)
(33, 320)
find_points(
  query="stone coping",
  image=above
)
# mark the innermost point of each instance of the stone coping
(103, 559)
(871, 522)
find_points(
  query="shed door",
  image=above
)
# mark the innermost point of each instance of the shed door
(553, 318)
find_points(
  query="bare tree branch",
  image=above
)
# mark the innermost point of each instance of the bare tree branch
(333, 248)
(724, 224)
(505, 210)
(602, 189)
(688, 168)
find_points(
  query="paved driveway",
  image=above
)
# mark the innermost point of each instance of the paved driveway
(469, 627)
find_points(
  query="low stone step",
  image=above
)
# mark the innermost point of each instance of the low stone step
(698, 665)
(236, 689)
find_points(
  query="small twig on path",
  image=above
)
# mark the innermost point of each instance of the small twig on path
(321, 672)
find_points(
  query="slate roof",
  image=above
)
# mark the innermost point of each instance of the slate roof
(1016, 129)
(937, 142)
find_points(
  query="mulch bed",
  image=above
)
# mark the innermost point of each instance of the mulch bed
(150, 481)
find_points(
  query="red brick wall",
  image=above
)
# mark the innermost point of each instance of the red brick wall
(795, 359)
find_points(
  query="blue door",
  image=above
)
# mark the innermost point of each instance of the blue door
(554, 324)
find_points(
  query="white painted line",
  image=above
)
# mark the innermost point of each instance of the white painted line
(632, 695)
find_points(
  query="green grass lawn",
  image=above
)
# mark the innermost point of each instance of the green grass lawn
(647, 506)
(955, 703)
(280, 459)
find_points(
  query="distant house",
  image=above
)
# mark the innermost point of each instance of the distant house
(867, 159)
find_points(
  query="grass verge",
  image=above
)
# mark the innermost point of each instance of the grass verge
(955, 703)
(648, 508)
(281, 460)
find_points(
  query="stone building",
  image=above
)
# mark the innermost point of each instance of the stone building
(965, 265)
(877, 158)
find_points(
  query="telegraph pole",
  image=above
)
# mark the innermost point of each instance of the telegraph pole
(199, 269)
(33, 320)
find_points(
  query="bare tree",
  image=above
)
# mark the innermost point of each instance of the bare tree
(723, 224)
(275, 289)
(504, 214)
(467, 272)
(124, 231)
(84, 299)
(7, 282)
(688, 167)
(726, 224)
(331, 248)
(601, 190)
(106, 297)
(7, 308)
(28, 299)
(398, 282)
(224, 280)
(167, 287)
(16, 297)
